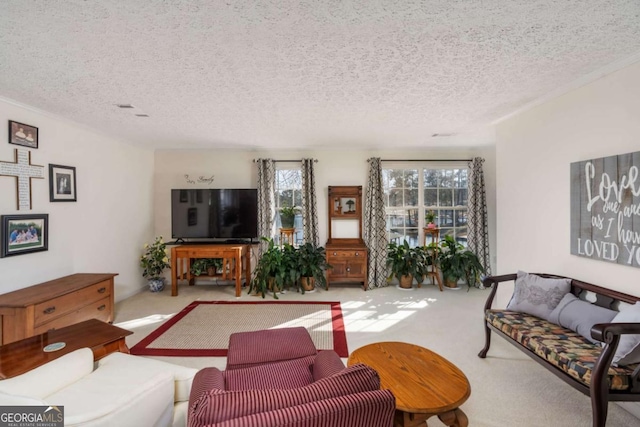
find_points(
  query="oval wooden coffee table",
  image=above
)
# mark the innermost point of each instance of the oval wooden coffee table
(424, 383)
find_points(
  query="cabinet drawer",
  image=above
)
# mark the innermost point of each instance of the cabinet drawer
(47, 311)
(100, 310)
(354, 253)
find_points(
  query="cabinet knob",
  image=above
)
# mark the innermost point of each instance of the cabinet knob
(335, 253)
(49, 310)
(102, 290)
(357, 253)
(348, 268)
(102, 307)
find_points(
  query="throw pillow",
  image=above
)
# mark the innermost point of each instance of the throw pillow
(580, 316)
(628, 350)
(537, 295)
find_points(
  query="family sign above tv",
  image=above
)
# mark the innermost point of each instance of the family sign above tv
(214, 214)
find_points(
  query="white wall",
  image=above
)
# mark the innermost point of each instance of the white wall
(534, 151)
(235, 169)
(103, 232)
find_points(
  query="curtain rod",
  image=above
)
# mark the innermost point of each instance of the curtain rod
(287, 161)
(425, 160)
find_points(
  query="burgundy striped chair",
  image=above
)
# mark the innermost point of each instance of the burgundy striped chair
(277, 378)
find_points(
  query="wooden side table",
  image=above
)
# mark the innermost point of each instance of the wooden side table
(22, 356)
(435, 238)
(424, 383)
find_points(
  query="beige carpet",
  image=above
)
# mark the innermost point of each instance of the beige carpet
(203, 327)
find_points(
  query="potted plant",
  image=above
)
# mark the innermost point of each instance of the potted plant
(430, 217)
(312, 263)
(406, 263)
(269, 274)
(457, 263)
(287, 216)
(206, 265)
(290, 265)
(153, 262)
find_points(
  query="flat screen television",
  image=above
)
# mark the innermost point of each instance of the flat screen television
(214, 214)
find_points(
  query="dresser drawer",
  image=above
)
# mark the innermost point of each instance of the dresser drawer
(352, 253)
(61, 305)
(100, 310)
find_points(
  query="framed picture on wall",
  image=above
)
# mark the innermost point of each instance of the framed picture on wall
(62, 183)
(21, 134)
(24, 234)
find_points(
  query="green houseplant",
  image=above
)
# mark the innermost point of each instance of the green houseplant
(406, 263)
(312, 263)
(457, 263)
(206, 265)
(288, 216)
(270, 271)
(430, 217)
(153, 262)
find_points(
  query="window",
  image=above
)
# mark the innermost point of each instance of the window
(288, 192)
(412, 192)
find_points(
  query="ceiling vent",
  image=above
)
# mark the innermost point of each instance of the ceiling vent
(124, 106)
(142, 115)
(442, 135)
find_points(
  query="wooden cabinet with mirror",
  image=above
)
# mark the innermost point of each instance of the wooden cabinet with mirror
(346, 250)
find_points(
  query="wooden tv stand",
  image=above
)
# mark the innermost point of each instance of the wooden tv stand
(228, 252)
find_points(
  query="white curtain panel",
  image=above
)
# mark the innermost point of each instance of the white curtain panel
(375, 227)
(309, 203)
(478, 235)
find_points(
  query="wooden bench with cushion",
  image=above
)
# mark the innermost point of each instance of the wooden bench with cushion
(600, 360)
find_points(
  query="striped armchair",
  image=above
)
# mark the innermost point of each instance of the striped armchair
(287, 387)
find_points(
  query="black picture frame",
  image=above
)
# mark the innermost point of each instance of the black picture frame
(62, 183)
(24, 234)
(23, 134)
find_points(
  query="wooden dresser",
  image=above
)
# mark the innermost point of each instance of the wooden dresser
(55, 304)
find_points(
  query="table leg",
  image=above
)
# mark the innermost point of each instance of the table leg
(174, 273)
(247, 266)
(455, 418)
(238, 271)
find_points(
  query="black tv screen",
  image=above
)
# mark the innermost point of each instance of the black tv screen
(214, 213)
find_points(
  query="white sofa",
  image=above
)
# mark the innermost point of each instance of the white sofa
(120, 389)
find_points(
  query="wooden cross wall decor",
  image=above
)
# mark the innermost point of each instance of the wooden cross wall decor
(23, 171)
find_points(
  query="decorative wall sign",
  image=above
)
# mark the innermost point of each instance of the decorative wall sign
(23, 234)
(605, 209)
(62, 183)
(21, 134)
(202, 179)
(23, 170)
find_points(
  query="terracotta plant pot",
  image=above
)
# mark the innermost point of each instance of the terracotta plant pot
(308, 283)
(211, 271)
(450, 283)
(406, 281)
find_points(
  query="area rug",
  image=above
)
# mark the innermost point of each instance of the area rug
(203, 327)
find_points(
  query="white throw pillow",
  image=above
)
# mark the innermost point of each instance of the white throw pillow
(537, 295)
(628, 350)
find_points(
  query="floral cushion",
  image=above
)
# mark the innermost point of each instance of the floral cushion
(563, 348)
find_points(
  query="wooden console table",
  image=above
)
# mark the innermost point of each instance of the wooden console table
(24, 355)
(235, 252)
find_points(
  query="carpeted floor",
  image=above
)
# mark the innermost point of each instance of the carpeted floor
(507, 388)
(203, 327)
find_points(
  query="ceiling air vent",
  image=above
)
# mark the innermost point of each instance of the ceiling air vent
(441, 135)
(124, 106)
(142, 115)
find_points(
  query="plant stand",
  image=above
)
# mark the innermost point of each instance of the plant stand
(435, 238)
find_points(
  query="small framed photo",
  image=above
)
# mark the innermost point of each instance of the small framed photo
(21, 134)
(62, 183)
(24, 234)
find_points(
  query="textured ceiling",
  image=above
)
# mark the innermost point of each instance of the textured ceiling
(300, 74)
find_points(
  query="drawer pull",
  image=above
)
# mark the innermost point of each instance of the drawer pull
(102, 290)
(357, 253)
(49, 310)
(348, 269)
(102, 307)
(335, 253)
